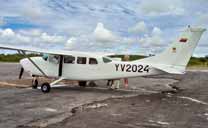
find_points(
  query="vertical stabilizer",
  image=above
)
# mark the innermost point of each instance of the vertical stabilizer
(180, 51)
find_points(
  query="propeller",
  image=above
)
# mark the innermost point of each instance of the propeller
(21, 72)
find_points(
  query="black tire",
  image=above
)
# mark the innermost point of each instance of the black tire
(35, 84)
(110, 83)
(82, 83)
(92, 84)
(45, 87)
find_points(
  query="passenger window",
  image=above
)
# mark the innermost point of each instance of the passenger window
(106, 60)
(93, 61)
(81, 60)
(69, 59)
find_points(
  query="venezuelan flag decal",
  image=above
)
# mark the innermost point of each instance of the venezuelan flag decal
(183, 40)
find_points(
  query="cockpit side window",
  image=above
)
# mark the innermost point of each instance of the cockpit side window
(69, 59)
(106, 60)
(93, 61)
(81, 60)
(54, 59)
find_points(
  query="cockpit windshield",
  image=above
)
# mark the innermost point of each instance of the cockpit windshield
(51, 58)
(45, 57)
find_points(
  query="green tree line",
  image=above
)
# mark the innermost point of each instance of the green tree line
(13, 57)
(194, 61)
(203, 61)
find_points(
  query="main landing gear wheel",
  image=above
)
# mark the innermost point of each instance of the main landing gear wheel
(82, 83)
(35, 84)
(45, 87)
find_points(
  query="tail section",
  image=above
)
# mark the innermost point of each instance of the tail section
(175, 58)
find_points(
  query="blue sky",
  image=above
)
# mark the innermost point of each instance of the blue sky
(120, 26)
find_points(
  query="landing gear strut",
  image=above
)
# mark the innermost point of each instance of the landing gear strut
(82, 83)
(35, 83)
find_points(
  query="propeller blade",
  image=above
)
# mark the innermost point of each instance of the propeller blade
(21, 72)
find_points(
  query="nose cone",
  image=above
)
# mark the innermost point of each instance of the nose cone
(24, 63)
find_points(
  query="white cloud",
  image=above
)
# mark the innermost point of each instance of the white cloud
(7, 33)
(22, 39)
(152, 40)
(100, 38)
(35, 10)
(161, 7)
(139, 28)
(156, 31)
(71, 42)
(102, 34)
(51, 38)
(77, 19)
(8, 36)
(31, 32)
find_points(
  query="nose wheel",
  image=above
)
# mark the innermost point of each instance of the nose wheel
(45, 87)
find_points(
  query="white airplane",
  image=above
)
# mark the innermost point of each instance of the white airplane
(83, 66)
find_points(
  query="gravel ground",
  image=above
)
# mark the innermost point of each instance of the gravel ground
(147, 103)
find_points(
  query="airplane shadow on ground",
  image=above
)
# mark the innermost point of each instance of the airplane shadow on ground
(69, 89)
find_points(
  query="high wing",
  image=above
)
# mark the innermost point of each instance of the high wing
(54, 52)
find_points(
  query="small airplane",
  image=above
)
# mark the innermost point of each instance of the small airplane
(85, 66)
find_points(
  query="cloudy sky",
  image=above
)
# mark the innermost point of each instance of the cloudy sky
(119, 26)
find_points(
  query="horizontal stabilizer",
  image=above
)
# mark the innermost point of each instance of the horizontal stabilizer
(170, 69)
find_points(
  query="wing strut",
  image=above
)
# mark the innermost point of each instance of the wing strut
(33, 62)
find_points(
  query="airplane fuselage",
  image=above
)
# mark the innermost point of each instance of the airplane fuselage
(86, 72)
